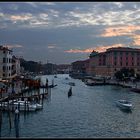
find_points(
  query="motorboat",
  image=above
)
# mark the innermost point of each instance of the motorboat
(134, 89)
(89, 82)
(124, 104)
(21, 105)
(24, 105)
(38, 106)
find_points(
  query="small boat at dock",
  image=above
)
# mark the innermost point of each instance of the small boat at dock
(21, 105)
(135, 89)
(124, 104)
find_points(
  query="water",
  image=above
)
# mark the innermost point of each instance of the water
(90, 112)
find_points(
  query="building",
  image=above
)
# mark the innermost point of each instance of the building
(63, 68)
(80, 66)
(5, 62)
(114, 59)
(15, 65)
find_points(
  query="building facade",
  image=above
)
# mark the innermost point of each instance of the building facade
(5, 62)
(80, 66)
(15, 65)
(109, 62)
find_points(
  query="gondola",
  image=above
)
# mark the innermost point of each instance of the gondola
(70, 92)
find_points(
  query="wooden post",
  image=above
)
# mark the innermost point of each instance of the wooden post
(28, 106)
(0, 118)
(17, 122)
(9, 114)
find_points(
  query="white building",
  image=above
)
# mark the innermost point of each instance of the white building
(5, 62)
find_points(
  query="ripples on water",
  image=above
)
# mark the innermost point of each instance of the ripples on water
(89, 112)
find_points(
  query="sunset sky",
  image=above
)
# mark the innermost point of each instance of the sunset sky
(64, 32)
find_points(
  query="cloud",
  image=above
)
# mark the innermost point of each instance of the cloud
(89, 50)
(127, 30)
(50, 14)
(98, 49)
(51, 46)
(20, 17)
(14, 46)
(103, 48)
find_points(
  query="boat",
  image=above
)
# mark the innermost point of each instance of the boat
(71, 83)
(134, 89)
(66, 78)
(124, 104)
(89, 82)
(52, 86)
(70, 92)
(21, 105)
(38, 106)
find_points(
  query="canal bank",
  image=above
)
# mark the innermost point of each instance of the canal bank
(89, 113)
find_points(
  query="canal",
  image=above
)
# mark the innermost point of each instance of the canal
(90, 112)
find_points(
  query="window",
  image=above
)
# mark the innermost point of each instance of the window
(4, 51)
(9, 74)
(4, 60)
(3, 68)
(115, 53)
(126, 53)
(132, 64)
(121, 63)
(126, 63)
(138, 63)
(3, 75)
(9, 67)
(115, 63)
(132, 53)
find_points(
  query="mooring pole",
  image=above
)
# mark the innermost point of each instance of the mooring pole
(17, 122)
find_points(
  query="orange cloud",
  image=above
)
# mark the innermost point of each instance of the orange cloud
(136, 40)
(18, 17)
(103, 48)
(98, 49)
(120, 31)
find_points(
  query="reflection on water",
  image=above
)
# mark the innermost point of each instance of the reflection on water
(89, 112)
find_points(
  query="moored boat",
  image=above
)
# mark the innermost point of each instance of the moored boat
(135, 89)
(124, 104)
(21, 105)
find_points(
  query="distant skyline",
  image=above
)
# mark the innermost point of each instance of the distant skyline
(64, 32)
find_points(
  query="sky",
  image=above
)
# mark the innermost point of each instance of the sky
(64, 32)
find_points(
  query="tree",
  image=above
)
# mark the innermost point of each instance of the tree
(124, 72)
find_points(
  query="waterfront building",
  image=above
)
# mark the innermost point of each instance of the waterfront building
(15, 65)
(80, 66)
(113, 59)
(63, 68)
(5, 62)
